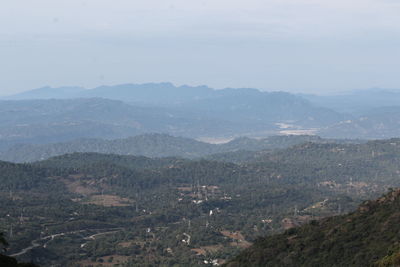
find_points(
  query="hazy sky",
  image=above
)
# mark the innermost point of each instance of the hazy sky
(291, 45)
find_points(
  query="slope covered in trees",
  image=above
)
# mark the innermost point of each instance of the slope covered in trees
(366, 237)
(153, 145)
(54, 120)
(168, 211)
(6, 261)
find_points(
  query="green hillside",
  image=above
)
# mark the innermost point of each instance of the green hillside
(89, 208)
(367, 237)
(153, 145)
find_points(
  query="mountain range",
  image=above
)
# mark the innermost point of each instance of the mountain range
(242, 104)
(52, 115)
(356, 102)
(45, 121)
(122, 175)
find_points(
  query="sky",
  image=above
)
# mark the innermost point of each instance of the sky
(311, 46)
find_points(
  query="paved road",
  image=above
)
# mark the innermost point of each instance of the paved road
(36, 243)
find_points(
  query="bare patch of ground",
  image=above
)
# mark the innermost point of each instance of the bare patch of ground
(288, 223)
(233, 235)
(80, 188)
(185, 189)
(207, 249)
(239, 240)
(75, 184)
(125, 244)
(108, 201)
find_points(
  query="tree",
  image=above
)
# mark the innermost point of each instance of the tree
(3, 241)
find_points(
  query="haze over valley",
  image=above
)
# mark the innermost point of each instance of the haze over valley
(205, 133)
(50, 115)
(188, 175)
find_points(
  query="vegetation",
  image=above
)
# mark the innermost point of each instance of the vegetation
(3, 241)
(89, 209)
(6, 261)
(155, 145)
(361, 238)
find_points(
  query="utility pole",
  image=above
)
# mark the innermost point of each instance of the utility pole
(136, 203)
(21, 217)
(102, 196)
(199, 194)
(11, 231)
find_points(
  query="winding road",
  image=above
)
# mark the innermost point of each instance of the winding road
(36, 243)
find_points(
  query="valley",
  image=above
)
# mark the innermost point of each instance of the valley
(155, 133)
(58, 115)
(98, 209)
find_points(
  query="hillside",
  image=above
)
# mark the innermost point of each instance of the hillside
(151, 145)
(266, 107)
(149, 93)
(366, 237)
(117, 198)
(196, 210)
(357, 102)
(45, 121)
(377, 123)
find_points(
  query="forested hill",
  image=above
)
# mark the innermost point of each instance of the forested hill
(152, 145)
(51, 121)
(79, 160)
(222, 207)
(366, 237)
